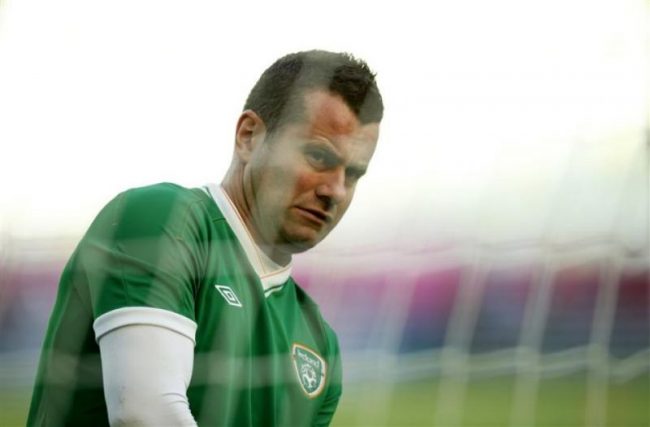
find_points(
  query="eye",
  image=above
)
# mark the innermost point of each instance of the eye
(316, 157)
(320, 159)
(353, 175)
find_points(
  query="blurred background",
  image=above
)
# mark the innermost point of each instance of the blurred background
(494, 268)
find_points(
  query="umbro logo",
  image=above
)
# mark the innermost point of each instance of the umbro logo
(229, 295)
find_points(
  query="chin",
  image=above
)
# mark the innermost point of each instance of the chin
(298, 246)
(298, 243)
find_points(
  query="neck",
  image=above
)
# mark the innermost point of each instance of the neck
(233, 185)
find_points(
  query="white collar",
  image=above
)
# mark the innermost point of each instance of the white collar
(271, 274)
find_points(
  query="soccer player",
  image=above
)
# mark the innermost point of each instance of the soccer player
(178, 307)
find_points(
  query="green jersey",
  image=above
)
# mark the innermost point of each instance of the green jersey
(182, 259)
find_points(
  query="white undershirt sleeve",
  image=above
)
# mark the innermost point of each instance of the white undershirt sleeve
(146, 371)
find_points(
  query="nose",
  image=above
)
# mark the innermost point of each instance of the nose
(333, 188)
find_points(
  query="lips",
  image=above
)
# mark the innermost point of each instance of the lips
(315, 215)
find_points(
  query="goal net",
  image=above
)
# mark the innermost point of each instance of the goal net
(548, 331)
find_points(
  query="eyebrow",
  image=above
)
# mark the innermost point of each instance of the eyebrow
(324, 143)
(358, 170)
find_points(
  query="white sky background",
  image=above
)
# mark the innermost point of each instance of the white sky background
(504, 120)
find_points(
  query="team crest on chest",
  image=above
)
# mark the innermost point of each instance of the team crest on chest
(310, 368)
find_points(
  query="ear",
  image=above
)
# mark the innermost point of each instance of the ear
(250, 132)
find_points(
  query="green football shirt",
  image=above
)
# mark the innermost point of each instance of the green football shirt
(182, 259)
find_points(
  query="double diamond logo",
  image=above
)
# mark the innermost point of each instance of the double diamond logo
(310, 368)
(229, 295)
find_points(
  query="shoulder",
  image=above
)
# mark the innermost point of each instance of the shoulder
(162, 196)
(146, 208)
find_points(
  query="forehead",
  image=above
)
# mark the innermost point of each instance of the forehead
(329, 116)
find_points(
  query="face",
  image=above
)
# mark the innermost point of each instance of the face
(299, 182)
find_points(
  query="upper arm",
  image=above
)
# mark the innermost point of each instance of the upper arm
(143, 250)
(141, 261)
(146, 371)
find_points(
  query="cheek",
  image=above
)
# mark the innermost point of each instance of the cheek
(299, 180)
(343, 206)
(305, 183)
(276, 179)
(284, 187)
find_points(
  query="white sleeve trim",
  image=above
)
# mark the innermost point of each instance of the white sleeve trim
(144, 316)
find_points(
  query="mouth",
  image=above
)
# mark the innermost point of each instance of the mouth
(315, 215)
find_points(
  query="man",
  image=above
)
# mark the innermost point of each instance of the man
(178, 308)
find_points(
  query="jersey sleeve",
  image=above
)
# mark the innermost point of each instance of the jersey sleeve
(141, 258)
